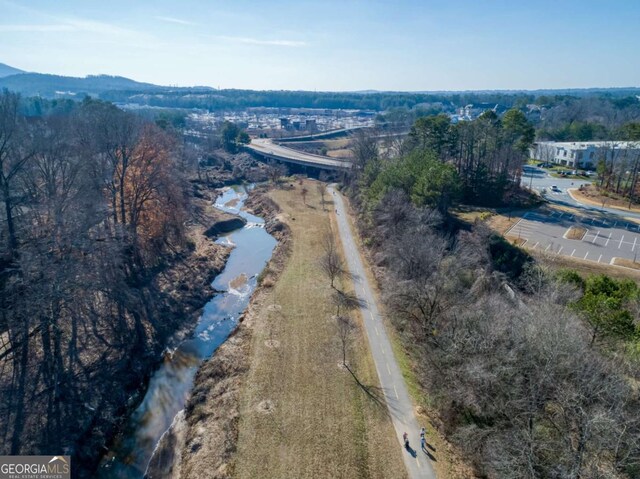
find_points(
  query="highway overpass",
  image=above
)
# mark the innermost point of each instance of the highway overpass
(268, 149)
(323, 135)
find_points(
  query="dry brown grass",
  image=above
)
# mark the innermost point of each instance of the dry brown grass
(502, 223)
(592, 196)
(319, 423)
(340, 153)
(575, 233)
(516, 241)
(584, 267)
(626, 263)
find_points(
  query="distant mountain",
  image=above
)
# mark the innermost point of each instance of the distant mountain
(45, 85)
(6, 70)
(124, 91)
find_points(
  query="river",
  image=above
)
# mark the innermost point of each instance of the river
(170, 386)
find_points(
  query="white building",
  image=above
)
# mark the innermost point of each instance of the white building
(584, 154)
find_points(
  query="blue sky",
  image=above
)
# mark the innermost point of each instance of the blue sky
(330, 45)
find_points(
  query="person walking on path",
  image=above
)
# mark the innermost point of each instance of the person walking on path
(405, 437)
(423, 439)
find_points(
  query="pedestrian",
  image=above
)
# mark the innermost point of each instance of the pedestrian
(405, 437)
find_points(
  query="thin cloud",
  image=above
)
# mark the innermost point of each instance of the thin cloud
(92, 26)
(71, 25)
(37, 28)
(179, 21)
(257, 41)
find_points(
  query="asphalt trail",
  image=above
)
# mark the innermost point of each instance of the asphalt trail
(395, 390)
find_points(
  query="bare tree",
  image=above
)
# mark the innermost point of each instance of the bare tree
(345, 330)
(364, 145)
(276, 171)
(14, 153)
(322, 190)
(344, 302)
(330, 262)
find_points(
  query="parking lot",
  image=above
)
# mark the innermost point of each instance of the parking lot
(603, 239)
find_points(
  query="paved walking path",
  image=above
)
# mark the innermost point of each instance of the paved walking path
(391, 380)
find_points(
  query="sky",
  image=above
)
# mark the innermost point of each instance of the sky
(330, 45)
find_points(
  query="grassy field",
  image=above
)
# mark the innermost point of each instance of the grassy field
(302, 415)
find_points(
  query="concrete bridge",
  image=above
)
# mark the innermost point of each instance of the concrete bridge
(324, 135)
(268, 149)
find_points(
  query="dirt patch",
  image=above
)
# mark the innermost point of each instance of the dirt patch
(266, 407)
(232, 203)
(274, 307)
(575, 233)
(239, 281)
(343, 153)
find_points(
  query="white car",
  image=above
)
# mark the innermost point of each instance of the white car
(554, 188)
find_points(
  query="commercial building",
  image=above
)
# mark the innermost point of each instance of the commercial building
(584, 154)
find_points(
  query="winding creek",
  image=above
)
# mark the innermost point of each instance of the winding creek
(170, 386)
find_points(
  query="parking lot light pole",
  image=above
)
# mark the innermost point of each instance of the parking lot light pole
(531, 180)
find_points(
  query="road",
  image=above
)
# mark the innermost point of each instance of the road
(538, 179)
(265, 147)
(391, 380)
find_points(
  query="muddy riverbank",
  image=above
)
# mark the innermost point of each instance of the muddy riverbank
(202, 440)
(150, 425)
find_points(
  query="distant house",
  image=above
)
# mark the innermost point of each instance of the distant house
(472, 111)
(584, 154)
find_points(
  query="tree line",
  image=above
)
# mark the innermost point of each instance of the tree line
(93, 205)
(516, 360)
(478, 162)
(529, 372)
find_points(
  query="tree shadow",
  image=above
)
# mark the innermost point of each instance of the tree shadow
(374, 393)
(346, 301)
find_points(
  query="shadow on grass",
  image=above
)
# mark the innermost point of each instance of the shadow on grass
(428, 453)
(346, 301)
(374, 393)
